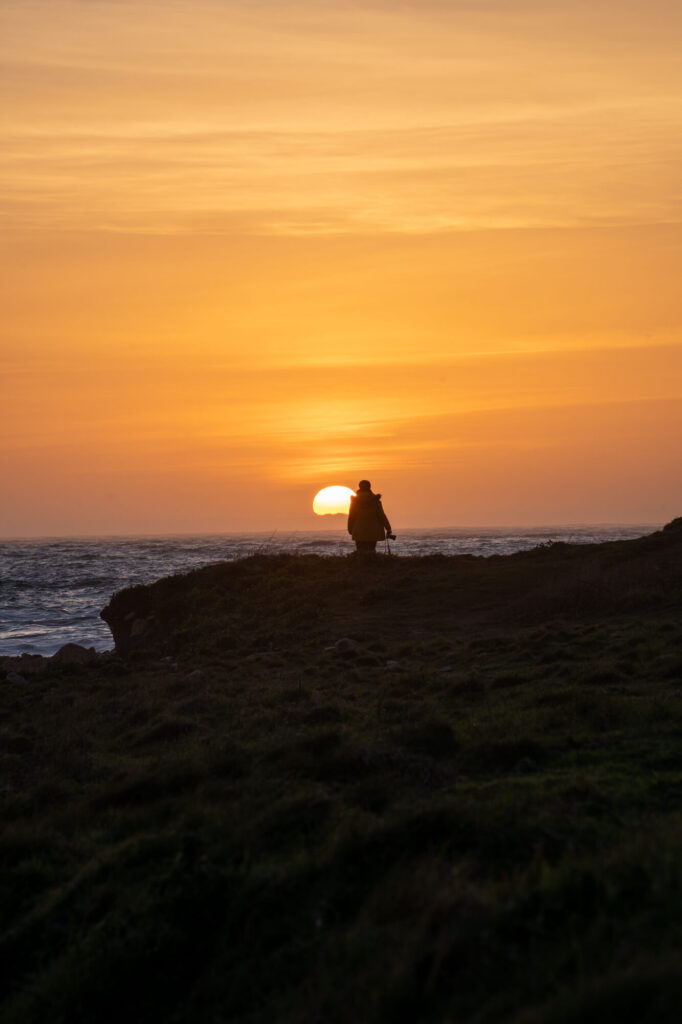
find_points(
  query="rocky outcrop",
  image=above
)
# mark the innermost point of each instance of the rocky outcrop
(133, 623)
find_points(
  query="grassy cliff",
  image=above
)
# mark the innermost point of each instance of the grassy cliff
(307, 789)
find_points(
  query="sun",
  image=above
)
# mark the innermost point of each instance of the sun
(332, 501)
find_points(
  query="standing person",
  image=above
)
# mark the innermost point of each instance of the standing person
(367, 522)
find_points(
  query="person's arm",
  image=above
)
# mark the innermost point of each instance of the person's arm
(351, 516)
(383, 519)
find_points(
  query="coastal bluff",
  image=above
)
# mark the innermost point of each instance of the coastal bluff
(286, 600)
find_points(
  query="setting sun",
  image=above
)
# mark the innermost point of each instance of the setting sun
(332, 500)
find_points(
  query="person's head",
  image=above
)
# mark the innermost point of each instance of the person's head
(364, 485)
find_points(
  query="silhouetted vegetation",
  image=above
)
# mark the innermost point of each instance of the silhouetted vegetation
(336, 790)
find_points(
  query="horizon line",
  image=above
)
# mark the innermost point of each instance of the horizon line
(329, 529)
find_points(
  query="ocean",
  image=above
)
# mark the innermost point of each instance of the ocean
(52, 590)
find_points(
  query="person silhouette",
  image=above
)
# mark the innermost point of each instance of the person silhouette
(367, 521)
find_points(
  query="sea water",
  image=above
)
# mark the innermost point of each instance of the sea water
(52, 590)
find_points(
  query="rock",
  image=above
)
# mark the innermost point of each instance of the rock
(14, 677)
(74, 654)
(197, 674)
(346, 644)
(674, 525)
(392, 664)
(133, 629)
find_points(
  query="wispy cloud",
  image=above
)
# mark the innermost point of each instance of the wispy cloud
(431, 117)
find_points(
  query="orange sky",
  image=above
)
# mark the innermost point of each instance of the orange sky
(251, 249)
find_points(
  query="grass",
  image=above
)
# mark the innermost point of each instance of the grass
(471, 813)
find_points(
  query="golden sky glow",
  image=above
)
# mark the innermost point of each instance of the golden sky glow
(252, 247)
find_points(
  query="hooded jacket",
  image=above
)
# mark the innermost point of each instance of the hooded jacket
(366, 517)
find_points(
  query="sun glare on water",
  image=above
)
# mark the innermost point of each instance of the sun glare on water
(332, 500)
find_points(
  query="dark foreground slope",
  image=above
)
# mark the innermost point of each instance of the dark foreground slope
(440, 789)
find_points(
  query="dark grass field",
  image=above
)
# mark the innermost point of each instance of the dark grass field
(331, 790)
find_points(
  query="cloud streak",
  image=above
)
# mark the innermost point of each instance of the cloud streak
(430, 118)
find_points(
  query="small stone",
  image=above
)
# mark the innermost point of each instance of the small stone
(138, 627)
(392, 664)
(14, 677)
(196, 674)
(346, 644)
